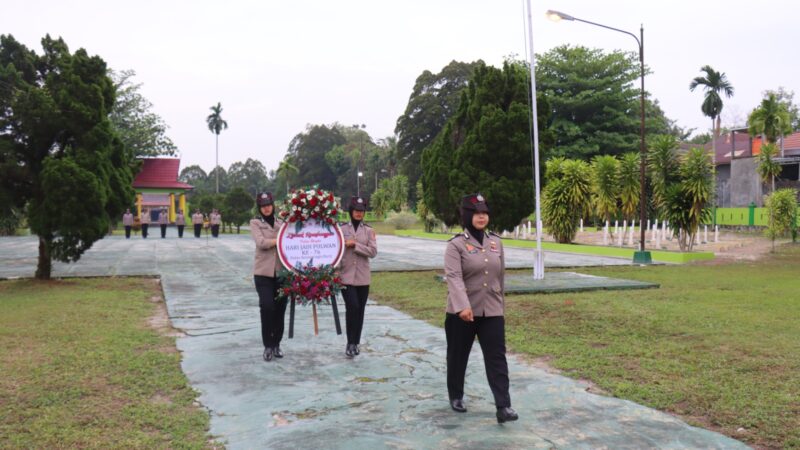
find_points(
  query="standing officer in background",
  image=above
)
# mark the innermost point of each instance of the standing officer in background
(264, 229)
(216, 220)
(163, 220)
(197, 222)
(127, 222)
(474, 266)
(180, 222)
(145, 222)
(360, 245)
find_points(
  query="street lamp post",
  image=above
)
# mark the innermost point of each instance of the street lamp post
(538, 256)
(360, 157)
(358, 184)
(376, 177)
(642, 256)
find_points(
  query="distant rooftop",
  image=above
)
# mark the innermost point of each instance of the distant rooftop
(160, 173)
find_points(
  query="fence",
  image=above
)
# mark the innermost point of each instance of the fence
(745, 217)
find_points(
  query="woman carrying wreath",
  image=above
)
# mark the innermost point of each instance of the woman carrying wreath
(264, 229)
(360, 245)
(474, 266)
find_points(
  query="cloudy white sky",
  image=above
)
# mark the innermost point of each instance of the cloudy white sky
(277, 66)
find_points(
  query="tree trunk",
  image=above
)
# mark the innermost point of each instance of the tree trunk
(216, 169)
(45, 264)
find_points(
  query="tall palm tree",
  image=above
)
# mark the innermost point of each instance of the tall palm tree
(713, 84)
(771, 120)
(662, 166)
(286, 169)
(630, 184)
(216, 124)
(605, 186)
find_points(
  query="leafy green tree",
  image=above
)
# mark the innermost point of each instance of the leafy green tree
(663, 168)
(768, 168)
(786, 98)
(307, 152)
(605, 186)
(594, 102)
(713, 84)
(566, 197)
(391, 196)
(60, 155)
(771, 119)
(239, 207)
(423, 212)
(250, 175)
(434, 99)
(630, 184)
(287, 170)
(216, 124)
(485, 147)
(197, 177)
(142, 131)
(782, 207)
(220, 176)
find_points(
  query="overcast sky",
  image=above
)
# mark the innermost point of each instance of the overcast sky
(277, 66)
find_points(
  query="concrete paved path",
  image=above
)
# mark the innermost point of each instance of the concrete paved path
(391, 396)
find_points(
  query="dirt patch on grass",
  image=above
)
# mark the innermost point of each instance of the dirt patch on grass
(159, 321)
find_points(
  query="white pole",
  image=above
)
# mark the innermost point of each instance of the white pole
(630, 236)
(705, 235)
(538, 263)
(605, 234)
(716, 233)
(581, 225)
(616, 226)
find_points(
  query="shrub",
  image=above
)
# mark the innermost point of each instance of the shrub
(402, 220)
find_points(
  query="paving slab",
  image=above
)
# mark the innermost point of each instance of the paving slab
(391, 396)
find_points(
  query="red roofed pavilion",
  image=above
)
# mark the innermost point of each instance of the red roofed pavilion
(157, 186)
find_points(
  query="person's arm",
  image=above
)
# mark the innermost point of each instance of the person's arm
(261, 242)
(455, 282)
(370, 249)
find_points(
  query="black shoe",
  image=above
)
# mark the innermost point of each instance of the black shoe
(277, 352)
(506, 414)
(355, 349)
(458, 405)
(267, 354)
(349, 351)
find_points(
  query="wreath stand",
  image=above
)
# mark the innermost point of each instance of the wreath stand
(314, 313)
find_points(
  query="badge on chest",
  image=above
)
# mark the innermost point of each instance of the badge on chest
(471, 249)
(493, 247)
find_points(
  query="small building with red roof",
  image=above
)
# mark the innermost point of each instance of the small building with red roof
(736, 159)
(157, 187)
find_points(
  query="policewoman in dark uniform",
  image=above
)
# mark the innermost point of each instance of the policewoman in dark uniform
(474, 266)
(360, 245)
(264, 229)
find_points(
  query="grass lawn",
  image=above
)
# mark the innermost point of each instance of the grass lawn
(81, 368)
(718, 345)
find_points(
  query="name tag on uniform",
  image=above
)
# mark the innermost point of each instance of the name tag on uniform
(493, 246)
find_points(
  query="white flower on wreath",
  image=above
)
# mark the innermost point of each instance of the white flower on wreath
(294, 195)
(305, 211)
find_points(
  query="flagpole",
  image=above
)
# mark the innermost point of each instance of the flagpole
(538, 262)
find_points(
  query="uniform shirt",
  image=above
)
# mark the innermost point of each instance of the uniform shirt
(474, 274)
(216, 218)
(163, 218)
(265, 236)
(127, 219)
(180, 219)
(145, 219)
(354, 268)
(197, 219)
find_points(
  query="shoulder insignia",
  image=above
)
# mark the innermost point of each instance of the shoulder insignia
(495, 234)
(455, 236)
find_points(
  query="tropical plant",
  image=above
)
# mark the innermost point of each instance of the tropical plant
(429, 220)
(629, 184)
(713, 84)
(286, 169)
(782, 207)
(566, 197)
(771, 119)
(767, 168)
(605, 186)
(687, 202)
(216, 124)
(662, 167)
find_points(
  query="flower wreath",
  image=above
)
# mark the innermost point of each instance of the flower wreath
(309, 283)
(310, 203)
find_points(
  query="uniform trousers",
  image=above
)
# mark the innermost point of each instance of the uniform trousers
(491, 336)
(197, 228)
(273, 312)
(355, 302)
(144, 230)
(163, 231)
(127, 231)
(180, 231)
(215, 230)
